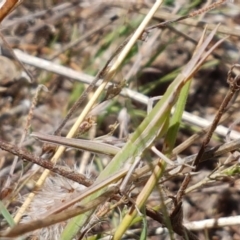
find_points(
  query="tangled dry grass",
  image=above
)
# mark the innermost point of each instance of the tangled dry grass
(50, 51)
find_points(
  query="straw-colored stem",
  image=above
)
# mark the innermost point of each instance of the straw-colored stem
(141, 199)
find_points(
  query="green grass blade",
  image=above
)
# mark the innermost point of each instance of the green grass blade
(6, 215)
(143, 235)
(175, 121)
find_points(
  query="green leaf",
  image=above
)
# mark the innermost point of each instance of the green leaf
(176, 119)
(6, 215)
(144, 228)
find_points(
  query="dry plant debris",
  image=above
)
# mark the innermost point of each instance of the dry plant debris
(47, 49)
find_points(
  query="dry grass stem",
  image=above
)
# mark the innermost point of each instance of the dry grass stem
(87, 159)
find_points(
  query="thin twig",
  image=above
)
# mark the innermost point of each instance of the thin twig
(213, 223)
(190, 15)
(26, 128)
(234, 87)
(24, 154)
(6, 6)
